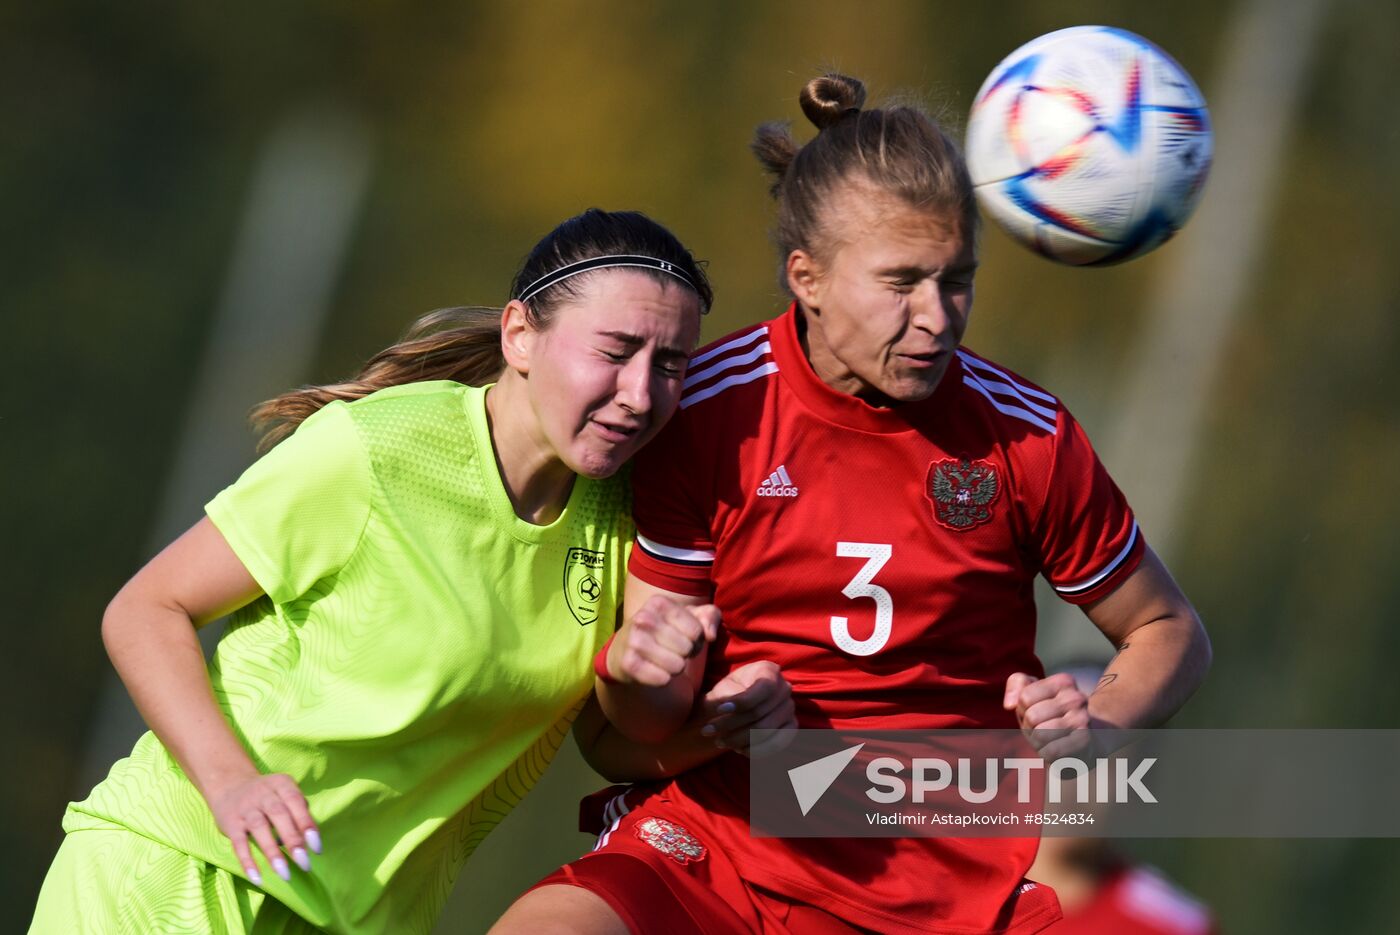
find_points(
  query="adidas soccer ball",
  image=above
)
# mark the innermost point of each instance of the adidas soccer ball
(1089, 145)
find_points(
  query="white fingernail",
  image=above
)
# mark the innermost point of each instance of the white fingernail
(253, 876)
(313, 838)
(282, 869)
(301, 859)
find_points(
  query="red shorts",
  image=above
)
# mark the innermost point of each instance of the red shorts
(660, 878)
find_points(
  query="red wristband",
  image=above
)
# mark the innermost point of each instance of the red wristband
(600, 665)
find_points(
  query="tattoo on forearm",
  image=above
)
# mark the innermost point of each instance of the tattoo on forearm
(1108, 678)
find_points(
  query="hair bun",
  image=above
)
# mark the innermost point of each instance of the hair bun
(827, 99)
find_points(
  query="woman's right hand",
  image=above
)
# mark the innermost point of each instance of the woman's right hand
(654, 646)
(266, 809)
(655, 661)
(149, 630)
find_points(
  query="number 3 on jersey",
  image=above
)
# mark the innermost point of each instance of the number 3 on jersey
(875, 555)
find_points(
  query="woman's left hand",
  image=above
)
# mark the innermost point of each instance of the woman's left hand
(755, 696)
(1052, 712)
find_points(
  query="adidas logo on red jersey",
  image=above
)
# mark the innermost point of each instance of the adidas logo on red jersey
(778, 484)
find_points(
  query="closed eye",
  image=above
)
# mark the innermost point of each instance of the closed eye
(668, 364)
(960, 276)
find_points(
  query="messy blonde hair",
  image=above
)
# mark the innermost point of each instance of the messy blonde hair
(900, 150)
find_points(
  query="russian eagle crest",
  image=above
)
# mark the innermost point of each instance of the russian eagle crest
(962, 492)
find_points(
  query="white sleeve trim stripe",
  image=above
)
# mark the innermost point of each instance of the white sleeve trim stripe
(673, 554)
(970, 361)
(740, 341)
(1110, 569)
(729, 363)
(1015, 411)
(737, 379)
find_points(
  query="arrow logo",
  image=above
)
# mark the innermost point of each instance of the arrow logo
(811, 780)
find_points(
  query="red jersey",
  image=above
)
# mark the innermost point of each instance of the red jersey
(1137, 901)
(885, 559)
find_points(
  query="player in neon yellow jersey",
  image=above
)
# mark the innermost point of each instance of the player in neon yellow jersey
(419, 577)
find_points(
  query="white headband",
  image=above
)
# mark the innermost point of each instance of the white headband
(603, 262)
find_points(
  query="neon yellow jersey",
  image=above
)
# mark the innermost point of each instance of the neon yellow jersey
(415, 663)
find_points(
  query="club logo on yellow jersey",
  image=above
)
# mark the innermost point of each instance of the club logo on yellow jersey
(583, 584)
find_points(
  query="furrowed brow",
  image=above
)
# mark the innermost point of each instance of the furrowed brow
(635, 340)
(904, 272)
(623, 337)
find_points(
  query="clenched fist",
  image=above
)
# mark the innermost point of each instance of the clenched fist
(654, 645)
(1052, 712)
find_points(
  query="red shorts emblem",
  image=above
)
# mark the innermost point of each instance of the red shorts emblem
(670, 839)
(962, 492)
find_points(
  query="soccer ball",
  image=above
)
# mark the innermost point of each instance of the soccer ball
(1089, 145)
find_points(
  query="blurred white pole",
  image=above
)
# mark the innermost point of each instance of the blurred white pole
(1151, 448)
(306, 193)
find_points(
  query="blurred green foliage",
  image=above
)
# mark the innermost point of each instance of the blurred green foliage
(131, 134)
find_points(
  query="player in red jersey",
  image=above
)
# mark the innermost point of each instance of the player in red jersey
(869, 506)
(1104, 892)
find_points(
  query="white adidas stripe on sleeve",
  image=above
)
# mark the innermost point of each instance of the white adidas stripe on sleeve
(997, 374)
(728, 363)
(735, 380)
(741, 341)
(1017, 412)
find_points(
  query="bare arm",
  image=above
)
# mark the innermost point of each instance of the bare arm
(1163, 649)
(1163, 655)
(149, 631)
(620, 759)
(658, 659)
(752, 697)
